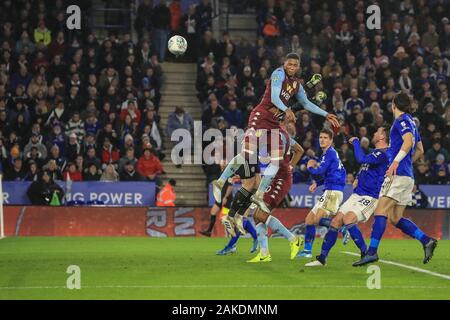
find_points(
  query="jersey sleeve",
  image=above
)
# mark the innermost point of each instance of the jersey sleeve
(323, 167)
(404, 127)
(276, 82)
(375, 157)
(308, 105)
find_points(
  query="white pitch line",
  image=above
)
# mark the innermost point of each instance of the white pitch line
(219, 286)
(401, 265)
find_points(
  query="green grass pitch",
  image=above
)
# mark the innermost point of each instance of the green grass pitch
(187, 268)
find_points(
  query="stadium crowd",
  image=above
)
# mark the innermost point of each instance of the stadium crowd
(80, 108)
(362, 69)
(73, 106)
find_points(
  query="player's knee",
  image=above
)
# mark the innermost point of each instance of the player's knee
(349, 218)
(394, 219)
(310, 218)
(337, 221)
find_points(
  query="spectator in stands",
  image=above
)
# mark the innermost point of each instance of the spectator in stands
(129, 173)
(161, 28)
(440, 171)
(35, 141)
(179, 119)
(41, 191)
(92, 173)
(149, 166)
(33, 172)
(72, 173)
(16, 172)
(431, 154)
(128, 157)
(42, 34)
(110, 174)
(143, 22)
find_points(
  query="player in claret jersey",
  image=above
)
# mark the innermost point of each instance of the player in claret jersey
(272, 198)
(397, 187)
(282, 92)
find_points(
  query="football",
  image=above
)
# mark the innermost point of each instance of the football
(177, 45)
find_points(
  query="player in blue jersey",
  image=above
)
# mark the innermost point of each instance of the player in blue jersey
(405, 147)
(282, 92)
(361, 204)
(333, 176)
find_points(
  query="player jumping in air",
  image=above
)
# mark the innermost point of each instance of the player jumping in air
(397, 187)
(361, 204)
(282, 92)
(334, 175)
(274, 195)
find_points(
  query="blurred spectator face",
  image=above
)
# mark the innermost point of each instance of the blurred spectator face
(440, 159)
(214, 104)
(45, 177)
(92, 169)
(305, 118)
(72, 168)
(423, 168)
(130, 153)
(436, 145)
(129, 167)
(55, 151)
(232, 105)
(365, 143)
(360, 117)
(52, 165)
(363, 132)
(354, 93)
(91, 153)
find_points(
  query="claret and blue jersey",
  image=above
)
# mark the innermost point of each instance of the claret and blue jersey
(331, 170)
(402, 125)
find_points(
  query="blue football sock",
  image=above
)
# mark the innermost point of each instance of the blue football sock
(232, 167)
(357, 237)
(378, 227)
(233, 240)
(263, 241)
(329, 241)
(309, 237)
(411, 229)
(269, 174)
(325, 222)
(248, 226)
(278, 227)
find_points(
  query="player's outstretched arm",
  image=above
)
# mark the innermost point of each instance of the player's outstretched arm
(321, 169)
(361, 157)
(308, 105)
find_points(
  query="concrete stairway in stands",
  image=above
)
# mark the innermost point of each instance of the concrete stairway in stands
(240, 25)
(179, 89)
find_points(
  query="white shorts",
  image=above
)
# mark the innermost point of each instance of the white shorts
(398, 188)
(362, 206)
(329, 202)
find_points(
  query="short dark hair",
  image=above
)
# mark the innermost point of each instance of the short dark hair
(403, 102)
(293, 55)
(327, 132)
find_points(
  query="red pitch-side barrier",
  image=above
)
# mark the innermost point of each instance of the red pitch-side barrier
(167, 222)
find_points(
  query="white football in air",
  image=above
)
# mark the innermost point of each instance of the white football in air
(177, 45)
